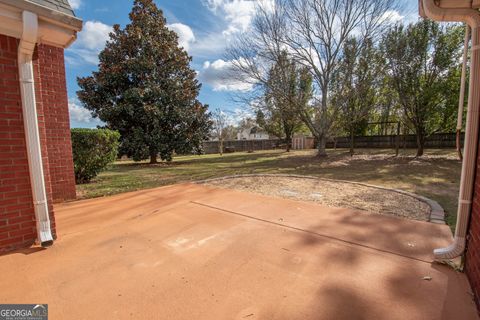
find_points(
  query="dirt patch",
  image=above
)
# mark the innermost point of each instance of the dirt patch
(331, 193)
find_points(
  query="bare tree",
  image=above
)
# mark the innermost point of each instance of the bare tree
(313, 32)
(219, 127)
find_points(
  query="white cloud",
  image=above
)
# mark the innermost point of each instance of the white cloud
(392, 16)
(242, 113)
(94, 35)
(75, 4)
(232, 17)
(91, 40)
(233, 118)
(78, 56)
(214, 4)
(210, 44)
(79, 114)
(404, 17)
(185, 34)
(217, 74)
(237, 13)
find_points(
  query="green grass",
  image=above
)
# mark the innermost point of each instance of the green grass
(436, 175)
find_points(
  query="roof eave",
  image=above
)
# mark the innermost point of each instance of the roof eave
(65, 20)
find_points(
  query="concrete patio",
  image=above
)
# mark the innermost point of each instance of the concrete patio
(195, 252)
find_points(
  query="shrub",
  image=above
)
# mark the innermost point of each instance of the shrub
(93, 150)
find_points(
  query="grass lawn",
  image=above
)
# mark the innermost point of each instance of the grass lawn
(436, 175)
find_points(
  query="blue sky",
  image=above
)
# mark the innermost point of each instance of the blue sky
(205, 28)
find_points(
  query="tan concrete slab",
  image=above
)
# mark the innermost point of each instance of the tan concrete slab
(410, 238)
(193, 252)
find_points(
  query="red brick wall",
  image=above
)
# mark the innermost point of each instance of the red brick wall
(17, 217)
(472, 259)
(52, 106)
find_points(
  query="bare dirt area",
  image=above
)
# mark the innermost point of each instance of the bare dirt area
(331, 193)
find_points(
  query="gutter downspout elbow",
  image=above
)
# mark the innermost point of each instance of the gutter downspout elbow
(30, 122)
(472, 18)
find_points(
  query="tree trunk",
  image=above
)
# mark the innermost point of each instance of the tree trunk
(288, 143)
(322, 150)
(220, 147)
(153, 158)
(397, 140)
(420, 144)
(288, 131)
(322, 139)
(352, 142)
(458, 144)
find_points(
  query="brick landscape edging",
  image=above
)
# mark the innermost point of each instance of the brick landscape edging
(437, 214)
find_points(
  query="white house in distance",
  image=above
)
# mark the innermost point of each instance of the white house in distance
(253, 133)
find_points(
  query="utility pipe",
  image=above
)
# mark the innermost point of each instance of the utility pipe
(472, 18)
(461, 100)
(30, 123)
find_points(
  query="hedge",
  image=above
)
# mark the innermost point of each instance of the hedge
(93, 150)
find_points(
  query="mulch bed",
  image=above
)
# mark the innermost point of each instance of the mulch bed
(331, 193)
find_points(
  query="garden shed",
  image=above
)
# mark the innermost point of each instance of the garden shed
(36, 167)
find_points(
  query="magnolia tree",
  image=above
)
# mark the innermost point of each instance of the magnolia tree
(145, 89)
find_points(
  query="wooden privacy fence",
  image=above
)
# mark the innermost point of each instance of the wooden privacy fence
(437, 140)
(211, 147)
(434, 141)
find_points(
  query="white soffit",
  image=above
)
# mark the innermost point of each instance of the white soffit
(463, 4)
(11, 21)
(50, 32)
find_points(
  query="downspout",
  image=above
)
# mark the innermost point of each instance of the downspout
(472, 18)
(30, 122)
(461, 100)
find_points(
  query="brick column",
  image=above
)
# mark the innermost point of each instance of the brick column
(52, 106)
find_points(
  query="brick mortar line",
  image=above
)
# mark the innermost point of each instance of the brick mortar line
(436, 215)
